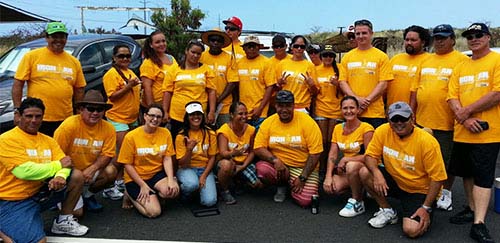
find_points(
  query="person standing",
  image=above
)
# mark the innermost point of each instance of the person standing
(474, 98)
(233, 27)
(53, 75)
(364, 74)
(314, 51)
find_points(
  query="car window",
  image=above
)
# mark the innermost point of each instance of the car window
(10, 61)
(108, 46)
(91, 56)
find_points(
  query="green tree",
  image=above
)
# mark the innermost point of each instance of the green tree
(179, 25)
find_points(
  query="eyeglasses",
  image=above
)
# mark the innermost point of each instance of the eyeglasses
(279, 46)
(474, 36)
(123, 56)
(216, 39)
(250, 45)
(297, 46)
(328, 54)
(153, 116)
(397, 119)
(364, 22)
(231, 28)
(95, 108)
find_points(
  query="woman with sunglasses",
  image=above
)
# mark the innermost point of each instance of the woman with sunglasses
(327, 102)
(196, 148)
(298, 75)
(123, 90)
(191, 80)
(147, 157)
(351, 138)
(156, 64)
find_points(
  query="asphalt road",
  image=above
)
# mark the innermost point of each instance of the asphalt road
(257, 218)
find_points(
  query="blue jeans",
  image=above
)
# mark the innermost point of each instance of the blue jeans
(189, 179)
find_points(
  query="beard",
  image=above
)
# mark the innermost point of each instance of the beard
(410, 50)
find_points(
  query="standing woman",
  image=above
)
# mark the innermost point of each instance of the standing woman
(327, 102)
(351, 138)
(189, 81)
(196, 147)
(298, 75)
(156, 64)
(123, 90)
(147, 156)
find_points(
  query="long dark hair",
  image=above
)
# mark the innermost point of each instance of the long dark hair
(149, 52)
(182, 63)
(186, 126)
(118, 69)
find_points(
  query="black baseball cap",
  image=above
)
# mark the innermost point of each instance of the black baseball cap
(284, 96)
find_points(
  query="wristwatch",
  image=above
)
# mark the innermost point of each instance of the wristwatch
(302, 178)
(428, 209)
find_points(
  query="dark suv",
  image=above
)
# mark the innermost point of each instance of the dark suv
(93, 51)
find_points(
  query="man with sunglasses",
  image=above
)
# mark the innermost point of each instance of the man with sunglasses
(412, 171)
(364, 74)
(233, 28)
(90, 142)
(53, 75)
(474, 98)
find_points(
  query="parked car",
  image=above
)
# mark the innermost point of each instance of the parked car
(266, 38)
(94, 52)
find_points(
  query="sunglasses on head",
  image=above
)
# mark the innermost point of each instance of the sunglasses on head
(279, 46)
(95, 108)
(402, 119)
(231, 28)
(216, 39)
(364, 22)
(297, 46)
(475, 36)
(122, 56)
(328, 54)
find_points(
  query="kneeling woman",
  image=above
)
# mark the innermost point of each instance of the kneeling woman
(350, 137)
(147, 156)
(196, 147)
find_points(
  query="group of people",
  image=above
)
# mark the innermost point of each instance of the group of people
(368, 126)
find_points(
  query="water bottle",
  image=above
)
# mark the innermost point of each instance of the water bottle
(315, 204)
(497, 194)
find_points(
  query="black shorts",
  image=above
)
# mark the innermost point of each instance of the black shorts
(49, 127)
(375, 122)
(410, 202)
(133, 189)
(475, 160)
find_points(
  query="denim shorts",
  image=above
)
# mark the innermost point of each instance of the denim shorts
(30, 228)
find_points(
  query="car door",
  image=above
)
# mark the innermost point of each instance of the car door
(92, 59)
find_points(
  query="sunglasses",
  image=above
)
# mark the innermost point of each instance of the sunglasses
(474, 36)
(325, 55)
(397, 119)
(216, 39)
(122, 56)
(279, 46)
(351, 36)
(153, 116)
(297, 46)
(95, 108)
(231, 28)
(250, 45)
(313, 52)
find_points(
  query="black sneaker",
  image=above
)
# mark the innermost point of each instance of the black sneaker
(480, 233)
(463, 217)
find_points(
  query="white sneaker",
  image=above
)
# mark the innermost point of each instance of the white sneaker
(120, 184)
(383, 217)
(445, 201)
(280, 194)
(69, 226)
(352, 208)
(112, 193)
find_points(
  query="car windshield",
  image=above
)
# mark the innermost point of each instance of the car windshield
(10, 61)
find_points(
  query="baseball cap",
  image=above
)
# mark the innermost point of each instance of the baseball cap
(328, 48)
(476, 27)
(234, 20)
(314, 48)
(399, 108)
(251, 39)
(54, 27)
(443, 30)
(284, 96)
(193, 107)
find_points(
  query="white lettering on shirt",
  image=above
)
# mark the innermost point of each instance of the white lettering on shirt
(45, 68)
(275, 139)
(428, 71)
(351, 65)
(80, 142)
(466, 80)
(399, 67)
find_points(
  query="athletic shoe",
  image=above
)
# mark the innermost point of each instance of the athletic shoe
(463, 217)
(69, 226)
(280, 195)
(383, 217)
(120, 184)
(444, 201)
(480, 233)
(92, 205)
(352, 208)
(112, 193)
(228, 198)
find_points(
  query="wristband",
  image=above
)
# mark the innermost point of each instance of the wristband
(428, 209)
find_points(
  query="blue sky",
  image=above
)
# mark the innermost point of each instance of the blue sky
(294, 16)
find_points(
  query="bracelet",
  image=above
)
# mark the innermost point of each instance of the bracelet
(428, 209)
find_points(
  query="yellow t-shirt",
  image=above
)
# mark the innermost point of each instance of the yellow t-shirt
(351, 144)
(363, 70)
(296, 83)
(84, 143)
(51, 77)
(274, 61)
(327, 101)
(188, 85)
(221, 64)
(235, 141)
(471, 80)
(432, 88)
(238, 49)
(202, 151)
(291, 142)
(255, 75)
(18, 148)
(412, 161)
(146, 151)
(405, 69)
(125, 109)
(150, 70)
